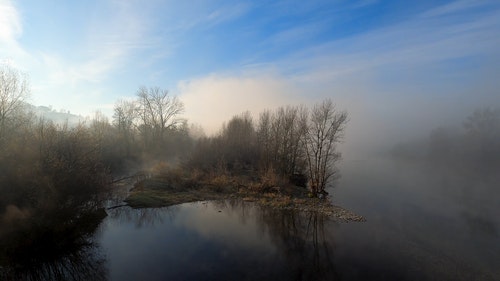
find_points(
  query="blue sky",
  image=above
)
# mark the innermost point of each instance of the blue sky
(380, 60)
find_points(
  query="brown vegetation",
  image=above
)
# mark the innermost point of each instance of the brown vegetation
(61, 172)
(175, 186)
(295, 144)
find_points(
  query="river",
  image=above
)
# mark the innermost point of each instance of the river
(423, 223)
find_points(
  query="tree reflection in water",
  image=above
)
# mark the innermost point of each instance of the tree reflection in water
(143, 217)
(303, 239)
(35, 249)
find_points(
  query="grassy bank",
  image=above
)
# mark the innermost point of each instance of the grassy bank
(176, 188)
(156, 192)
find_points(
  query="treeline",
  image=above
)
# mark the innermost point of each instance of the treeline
(150, 126)
(55, 178)
(473, 147)
(476, 146)
(47, 166)
(53, 182)
(295, 143)
(48, 169)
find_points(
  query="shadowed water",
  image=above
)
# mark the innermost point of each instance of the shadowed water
(217, 241)
(423, 223)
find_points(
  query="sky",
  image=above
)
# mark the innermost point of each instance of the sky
(395, 66)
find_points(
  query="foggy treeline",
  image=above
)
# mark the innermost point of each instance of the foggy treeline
(462, 164)
(292, 143)
(48, 167)
(475, 146)
(55, 178)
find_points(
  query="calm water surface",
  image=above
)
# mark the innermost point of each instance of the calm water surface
(421, 225)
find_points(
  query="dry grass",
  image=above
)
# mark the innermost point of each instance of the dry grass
(175, 186)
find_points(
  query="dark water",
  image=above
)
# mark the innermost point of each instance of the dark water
(423, 223)
(217, 241)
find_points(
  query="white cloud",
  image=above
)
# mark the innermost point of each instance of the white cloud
(213, 100)
(10, 30)
(10, 22)
(111, 40)
(349, 70)
(384, 78)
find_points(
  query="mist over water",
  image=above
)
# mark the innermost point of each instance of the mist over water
(424, 222)
(424, 175)
(421, 225)
(420, 150)
(430, 196)
(431, 204)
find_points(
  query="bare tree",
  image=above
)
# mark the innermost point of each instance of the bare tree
(100, 127)
(279, 136)
(158, 112)
(238, 138)
(264, 140)
(14, 90)
(125, 113)
(124, 119)
(324, 131)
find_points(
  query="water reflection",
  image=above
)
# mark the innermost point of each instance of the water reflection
(52, 250)
(143, 217)
(305, 243)
(225, 240)
(302, 240)
(418, 228)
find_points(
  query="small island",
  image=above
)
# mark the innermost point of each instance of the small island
(175, 187)
(285, 160)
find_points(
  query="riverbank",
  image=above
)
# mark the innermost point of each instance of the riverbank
(160, 191)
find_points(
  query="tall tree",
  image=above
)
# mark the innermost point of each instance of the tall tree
(14, 90)
(125, 114)
(264, 140)
(279, 135)
(158, 112)
(325, 129)
(238, 138)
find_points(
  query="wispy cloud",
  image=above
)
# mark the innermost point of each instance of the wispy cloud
(10, 22)
(228, 12)
(417, 42)
(299, 34)
(378, 75)
(112, 39)
(454, 7)
(277, 49)
(127, 29)
(10, 30)
(362, 4)
(207, 15)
